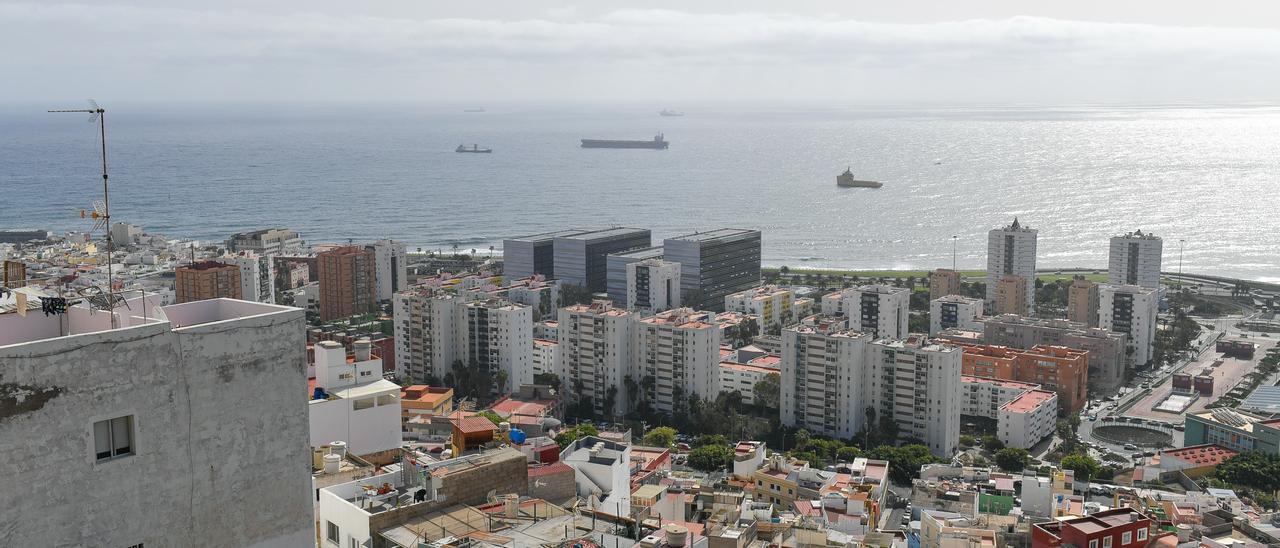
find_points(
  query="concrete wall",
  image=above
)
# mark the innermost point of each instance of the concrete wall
(220, 441)
(365, 431)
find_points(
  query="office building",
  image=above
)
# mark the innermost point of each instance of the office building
(525, 256)
(680, 350)
(207, 280)
(582, 259)
(1058, 368)
(1131, 310)
(181, 426)
(348, 285)
(1011, 251)
(1135, 260)
(955, 311)
(391, 271)
(1233, 429)
(1013, 296)
(1027, 419)
(616, 271)
(1107, 355)
(653, 285)
(271, 241)
(881, 310)
(715, 264)
(1082, 301)
(595, 348)
(351, 403)
(775, 306)
(916, 382)
(943, 282)
(257, 276)
(824, 374)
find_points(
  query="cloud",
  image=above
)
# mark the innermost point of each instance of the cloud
(250, 55)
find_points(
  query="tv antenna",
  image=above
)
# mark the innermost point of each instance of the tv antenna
(101, 213)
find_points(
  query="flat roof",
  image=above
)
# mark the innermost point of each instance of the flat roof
(1202, 455)
(999, 382)
(604, 233)
(1028, 401)
(370, 389)
(546, 236)
(716, 234)
(643, 253)
(747, 368)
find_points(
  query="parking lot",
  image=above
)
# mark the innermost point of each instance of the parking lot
(1225, 377)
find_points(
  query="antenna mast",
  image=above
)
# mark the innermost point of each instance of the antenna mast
(103, 217)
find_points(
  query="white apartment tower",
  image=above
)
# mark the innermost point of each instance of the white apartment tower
(595, 348)
(653, 285)
(680, 350)
(917, 383)
(824, 376)
(881, 310)
(1135, 260)
(257, 276)
(499, 339)
(1011, 251)
(428, 334)
(1131, 310)
(955, 311)
(390, 270)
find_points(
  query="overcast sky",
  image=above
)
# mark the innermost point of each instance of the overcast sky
(669, 53)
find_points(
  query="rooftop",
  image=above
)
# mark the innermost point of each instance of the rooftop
(1028, 401)
(999, 382)
(207, 265)
(547, 236)
(1201, 455)
(508, 406)
(425, 394)
(605, 233)
(640, 254)
(747, 368)
(718, 234)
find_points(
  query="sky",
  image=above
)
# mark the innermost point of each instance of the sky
(802, 52)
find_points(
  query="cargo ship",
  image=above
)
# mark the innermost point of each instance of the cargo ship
(846, 180)
(658, 143)
(474, 148)
(667, 112)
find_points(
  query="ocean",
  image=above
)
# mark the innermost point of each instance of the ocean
(1208, 175)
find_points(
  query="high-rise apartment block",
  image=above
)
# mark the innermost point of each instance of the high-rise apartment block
(1135, 260)
(943, 282)
(348, 282)
(207, 280)
(823, 377)
(616, 267)
(595, 347)
(1082, 301)
(1011, 251)
(881, 310)
(715, 264)
(1057, 368)
(1107, 356)
(499, 339)
(392, 267)
(775, 306)
(582, 259)
(1012, 296)
(653, 285)
(427, 331)
(1132, 310)
(525, 256)
(917, 382)
(271, 241)
(680, 350)
(955, 311)
(257, 276)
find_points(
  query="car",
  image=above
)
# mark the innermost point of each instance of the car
(1149, 454)
(1093, 418)
(1136, 456)
(1180, 428)
(1130, 447)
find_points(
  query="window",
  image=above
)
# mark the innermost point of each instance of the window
(332, 532)
(363, 403)
(387, 399)
(1106, 541)
(113, 438)
(1126, 538)
(1142, 533)
(1093, 544)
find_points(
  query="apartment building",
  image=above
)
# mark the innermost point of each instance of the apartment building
(983, 396)
(742, 378)
(1014, 295)
(616, 271)
(715, 264)
(775, 306)
(943, 282)
(546, 357)
(391, 270)
(653, 285)
(1027, 419)
(351, 403)
(1058, 368)
(427, 332)
(824, 374)
(881, 310)
(499, 341)
(1132, 310)
(916, 382)
(680, 350)
(207, 280)
(1082, 301)
(257, 276)
(1011, 251)
(271, 241)
(595, 347)
(1135, 260)
(348, 282)
(1107, 355)
(955, 311)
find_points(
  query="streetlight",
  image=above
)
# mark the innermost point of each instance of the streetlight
(953, 251)
(1182, 243)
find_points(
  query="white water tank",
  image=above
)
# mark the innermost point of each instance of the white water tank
(332, 463)
(676, 535)
(363, 349)
(511, 505)
(338, 448)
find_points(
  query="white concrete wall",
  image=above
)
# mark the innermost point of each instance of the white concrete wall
(365, 431)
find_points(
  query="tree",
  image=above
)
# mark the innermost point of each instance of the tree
(571, 434)
(848, 453)
(967, 440)
(784, 270)
(1012, 459)
(802, 439)
(711, 458)
(992, 443)
(1254, 469)
(768, 391)
(495, 418)
(1083, 465)
(662, 436)
(904, 462)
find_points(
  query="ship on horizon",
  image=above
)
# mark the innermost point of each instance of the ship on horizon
(475, 109)
(846, 180)
(658, 143)
(474, 149)
(667, 112)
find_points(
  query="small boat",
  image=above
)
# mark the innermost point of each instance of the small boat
(846, 180)
(478, 109)
(666, 112)
(473, 148)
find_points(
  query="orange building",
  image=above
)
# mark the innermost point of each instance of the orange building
(422, 400)
(1057, 368)
(347, 282)
(207, 280)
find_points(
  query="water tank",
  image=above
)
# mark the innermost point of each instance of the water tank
(317, 457)
(504, 426)
(338, 448)
(517, 436)
(331, 463)
(511, 505)
(1184, 533)
(677, 535)
(363, 349)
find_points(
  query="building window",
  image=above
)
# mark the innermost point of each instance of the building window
(113, 438)
(1106, 541)
(1093, 543)
(1126, 538)
(1142, 534)
(332, 532)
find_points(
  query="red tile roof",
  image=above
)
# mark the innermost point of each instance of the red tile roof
(474, 425)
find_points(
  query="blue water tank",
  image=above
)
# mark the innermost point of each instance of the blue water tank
(318, 394)
(517, 435)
